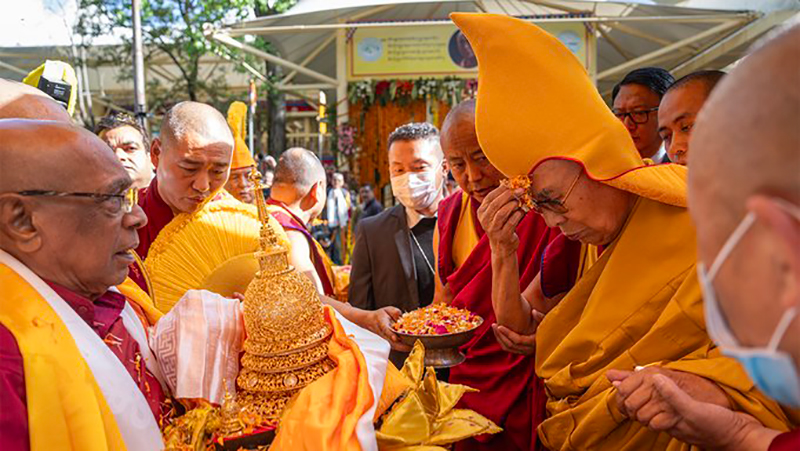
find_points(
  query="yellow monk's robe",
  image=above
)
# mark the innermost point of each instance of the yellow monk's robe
(69, 407)
(640, 302)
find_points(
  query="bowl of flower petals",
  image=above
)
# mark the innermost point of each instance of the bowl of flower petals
(442, 329)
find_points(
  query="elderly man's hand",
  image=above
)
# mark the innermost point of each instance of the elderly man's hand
(709, 426)
(380, 322)
(499, 215)
(516, 343)
(635, 390)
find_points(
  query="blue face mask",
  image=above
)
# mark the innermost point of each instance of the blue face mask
(772, 370)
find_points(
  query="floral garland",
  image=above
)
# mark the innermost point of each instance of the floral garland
(345, 140)
(450, 90)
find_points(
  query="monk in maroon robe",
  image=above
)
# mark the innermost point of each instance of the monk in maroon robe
(192, 157)
(510, 393)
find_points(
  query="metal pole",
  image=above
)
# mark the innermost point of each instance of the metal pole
(87, 92)
(140, 102)
(252, 111)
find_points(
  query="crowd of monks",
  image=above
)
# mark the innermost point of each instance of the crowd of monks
(627, 304)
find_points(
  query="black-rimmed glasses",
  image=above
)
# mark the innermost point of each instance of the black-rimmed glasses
(116, 203)
(637, 116)
(555, 205)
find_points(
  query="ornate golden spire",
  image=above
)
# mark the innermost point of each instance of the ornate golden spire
(273, 258)
(287, 335)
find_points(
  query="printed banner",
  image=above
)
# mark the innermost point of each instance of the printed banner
(434, 50)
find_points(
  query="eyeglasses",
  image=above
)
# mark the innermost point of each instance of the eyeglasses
(555, 205)
(115, 203)
(638, 116)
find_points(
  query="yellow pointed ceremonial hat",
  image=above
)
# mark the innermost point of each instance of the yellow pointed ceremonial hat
(536, 102)
(237, 118)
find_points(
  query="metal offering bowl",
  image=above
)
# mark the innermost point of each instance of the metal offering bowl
(441, 351)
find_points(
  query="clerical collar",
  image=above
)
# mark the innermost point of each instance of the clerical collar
(413, 217)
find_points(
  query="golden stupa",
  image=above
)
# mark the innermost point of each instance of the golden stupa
(287, 335)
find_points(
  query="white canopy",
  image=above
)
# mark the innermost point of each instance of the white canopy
(681, 36)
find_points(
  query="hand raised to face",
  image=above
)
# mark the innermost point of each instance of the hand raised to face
(499, 215)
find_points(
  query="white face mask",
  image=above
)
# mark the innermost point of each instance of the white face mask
(772, 370)
(418, 190)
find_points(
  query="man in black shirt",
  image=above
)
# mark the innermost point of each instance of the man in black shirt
(369, 205)
(393, 262)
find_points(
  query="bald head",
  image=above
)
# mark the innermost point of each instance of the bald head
(745, 163)
(195, 118)
(62, 212)
(470, 168)
(460, 120)
(37, 154)
(679, 109)
(708, 79)
(192, 155)
(747, 137)
(18, 100)
(299, 168)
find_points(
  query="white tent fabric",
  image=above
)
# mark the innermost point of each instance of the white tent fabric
(627, 31)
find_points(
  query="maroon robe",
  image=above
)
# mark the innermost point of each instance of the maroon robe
(158, 216)
(290, 221)
(788, 441)
(510, 393)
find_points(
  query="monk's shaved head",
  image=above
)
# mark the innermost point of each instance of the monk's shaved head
(300, 168)
(18, 100)
(459, 125)
(192, 155)
(747, 138)
(197, 118)
(707, 78)
(300, 184)
(459, 140)
(464, 111)
(744, 168)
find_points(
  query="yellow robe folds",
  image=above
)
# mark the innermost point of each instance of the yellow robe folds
(639, 304)
(66, 408)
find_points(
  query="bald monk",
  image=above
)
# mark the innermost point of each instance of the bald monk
(636, 309)
(18, 100)
(75, 368)
(746, 206)
(510, 393)
(679, 108)
(297, 197)
(192, 156)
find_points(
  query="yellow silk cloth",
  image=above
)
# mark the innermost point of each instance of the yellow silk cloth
(536, 102)
(324, 415)
(66, 408)
(466, 238)
(639, 304)
(426, 418)
(139, 297)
